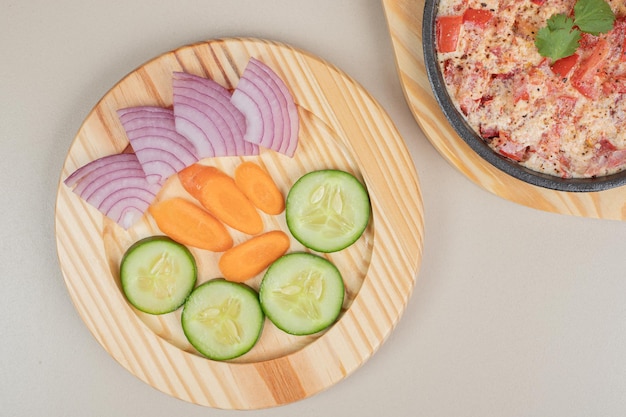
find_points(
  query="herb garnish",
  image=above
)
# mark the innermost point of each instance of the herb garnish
(560, 37)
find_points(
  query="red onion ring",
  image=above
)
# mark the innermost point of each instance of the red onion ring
(206, 117)
(271, 114)
(160, 149)
(116, 185)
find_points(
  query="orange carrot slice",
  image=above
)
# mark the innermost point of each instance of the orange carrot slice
(251, 257)
(191, 225)
(189, 181)
(218, 193)
(259, 187)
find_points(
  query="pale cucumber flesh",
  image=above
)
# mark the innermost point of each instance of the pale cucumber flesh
(157, 274)
(327, 210)
(222, 319)
(302, 293)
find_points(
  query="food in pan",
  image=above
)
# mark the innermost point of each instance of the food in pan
(542, 82)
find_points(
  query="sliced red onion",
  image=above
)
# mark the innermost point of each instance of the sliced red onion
(203, 82)
(87, 169)
(269, 108)
(160, 149)
(206, 117)
(287, 103)
(116, 185)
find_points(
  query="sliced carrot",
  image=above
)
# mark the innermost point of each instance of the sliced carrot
(259, 187)
(218, 193)
(191, 225)
(251, 257)
(189, 181)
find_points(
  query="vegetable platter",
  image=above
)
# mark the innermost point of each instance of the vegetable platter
(340, 127)
(404, 18)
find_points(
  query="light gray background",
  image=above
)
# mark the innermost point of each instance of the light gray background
(516, 312)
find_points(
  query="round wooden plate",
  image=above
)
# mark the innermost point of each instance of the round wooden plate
(404, 18)
(341, 127)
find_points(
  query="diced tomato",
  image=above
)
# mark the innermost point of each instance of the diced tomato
(587, 87)
(565, 166)
(538, 2)
(449, 73)
(514, 151)
(448, 29)
(489, 132)
(472, 82)
(520, 88)
(584, 78)
(565, 105)
(563, 66)
(478, 17)
(485, 100)
(606, 147)
(617, 158)
(510, 148)
(606, 156)
(521, 95)
(615, 84)
(468, 104)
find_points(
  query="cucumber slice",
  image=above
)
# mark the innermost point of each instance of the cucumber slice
(302, 293)
(327, 210)
(222, 319)
(157, 274)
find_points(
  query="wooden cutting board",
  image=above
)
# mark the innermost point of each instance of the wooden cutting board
(341, 127)
(404, 18)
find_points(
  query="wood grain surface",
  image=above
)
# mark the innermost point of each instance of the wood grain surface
(404, 18)
(341, 127)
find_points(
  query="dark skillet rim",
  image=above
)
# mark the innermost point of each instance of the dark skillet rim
(477, 144)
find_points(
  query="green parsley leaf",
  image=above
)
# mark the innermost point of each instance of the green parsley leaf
(560, 21)
(559, 38)
(593, 16)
